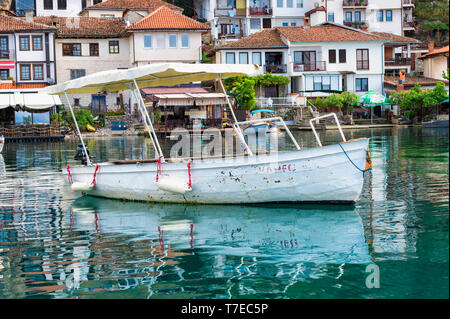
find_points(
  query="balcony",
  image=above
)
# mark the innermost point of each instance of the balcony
(314, 66)
(260, 11)
(398, 62)
(275, 68)
(357, 24)
(409, 25)
(355, 3)
(230, 12)
(408, 3)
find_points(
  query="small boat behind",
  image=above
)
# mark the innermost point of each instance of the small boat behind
(440, 121)
(262, 127)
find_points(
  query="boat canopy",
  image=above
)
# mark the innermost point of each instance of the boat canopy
(152, 75)
(31, 100)
(262, 110)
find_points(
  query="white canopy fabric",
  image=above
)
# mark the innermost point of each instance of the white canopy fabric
(28, 100)
(189, 98)
(152, 75)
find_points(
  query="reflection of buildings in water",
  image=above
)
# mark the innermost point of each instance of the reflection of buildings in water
(228, 243)
(2, 166)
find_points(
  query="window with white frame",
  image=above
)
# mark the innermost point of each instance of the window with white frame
(148, 41)
(256, 58)
(185, 40)
(299, 3)
(230, 58)
(172, 40)
(279, 3)
(285, 24)
(289, 3)
(243, 58)
(255, 24)
(330, 16)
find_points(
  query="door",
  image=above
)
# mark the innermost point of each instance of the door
(388, 53)
(271, 91)
(98, 104)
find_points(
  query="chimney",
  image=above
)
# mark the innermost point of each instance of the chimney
(430, 46)
(29, 15)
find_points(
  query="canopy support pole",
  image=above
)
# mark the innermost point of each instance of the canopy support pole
(88, 161)
(147, 121)
(236, 126)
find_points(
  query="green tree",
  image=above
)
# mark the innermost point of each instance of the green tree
(245, 94)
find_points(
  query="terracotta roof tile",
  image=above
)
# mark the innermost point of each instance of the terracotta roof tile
(266, 38)
(327, 32)
(435, 52)
(395, 38)
(151, 5)
(167, 19)
(8, 24)
(307, 14)
(85, 27)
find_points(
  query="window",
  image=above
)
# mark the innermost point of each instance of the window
(83, 4)
(285, 24)
(380, 16)
(331, 56)
(256, 58)
(147, 41)
(38, 71)
(231, 3)
(72, 49)
(342, 56)
(4, 47)
(93, 49)
(388, 15)
(4, 74)
(113, 47)
(331, 16)
(24, 43)
(76, 102)
(62, 4)
(362, 59)
(293, 24)
(279, 3)
(317, 83)
(348, 16)
(25, 72)
(37, 42)
(185, 40)
(172, 40)
(299, 3)
(107, 16)
(48, 4)
(358, 16)
(289, 3)
(77, 73)
(255, 24)
(229, 57)
(362, 85)
(326, 83)
(243, 58)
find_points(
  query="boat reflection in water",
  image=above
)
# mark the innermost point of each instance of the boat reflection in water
(222, 238)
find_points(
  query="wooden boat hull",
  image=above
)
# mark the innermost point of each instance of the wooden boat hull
(323, 174)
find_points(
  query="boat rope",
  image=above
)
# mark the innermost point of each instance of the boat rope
(158, 168)
(70, 176)
(361, 170)
(189, 173)
(94, 182)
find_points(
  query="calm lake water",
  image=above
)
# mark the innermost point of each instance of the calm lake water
(56, 244)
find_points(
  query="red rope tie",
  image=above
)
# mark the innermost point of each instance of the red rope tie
(245, 150)
(70, 176)
(189, 173)
(158, 168)
(94, 182)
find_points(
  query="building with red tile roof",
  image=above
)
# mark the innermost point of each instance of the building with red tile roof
(116, 8)
(435, 62)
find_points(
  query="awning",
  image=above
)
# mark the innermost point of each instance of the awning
(152, 75)
(187, 99)
(31, 100)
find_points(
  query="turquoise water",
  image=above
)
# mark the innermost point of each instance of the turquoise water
(56, 244)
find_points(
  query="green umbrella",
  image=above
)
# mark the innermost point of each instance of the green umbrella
(371, 99)
(444, 101)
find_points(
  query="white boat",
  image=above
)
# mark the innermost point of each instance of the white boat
(2, 143)
(262, 127)
(332, 173)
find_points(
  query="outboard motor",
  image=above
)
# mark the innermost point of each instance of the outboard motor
(80, 156)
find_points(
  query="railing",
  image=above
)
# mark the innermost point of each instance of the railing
(32, 131)
(315, 66)
(285, 101)
(362, 64)
(230, 12)
(409, 24)
(354, 3)
(260, 11)
(316, 119)
(357, 24)
(277, 68)
(408, 2)
(398, 61)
